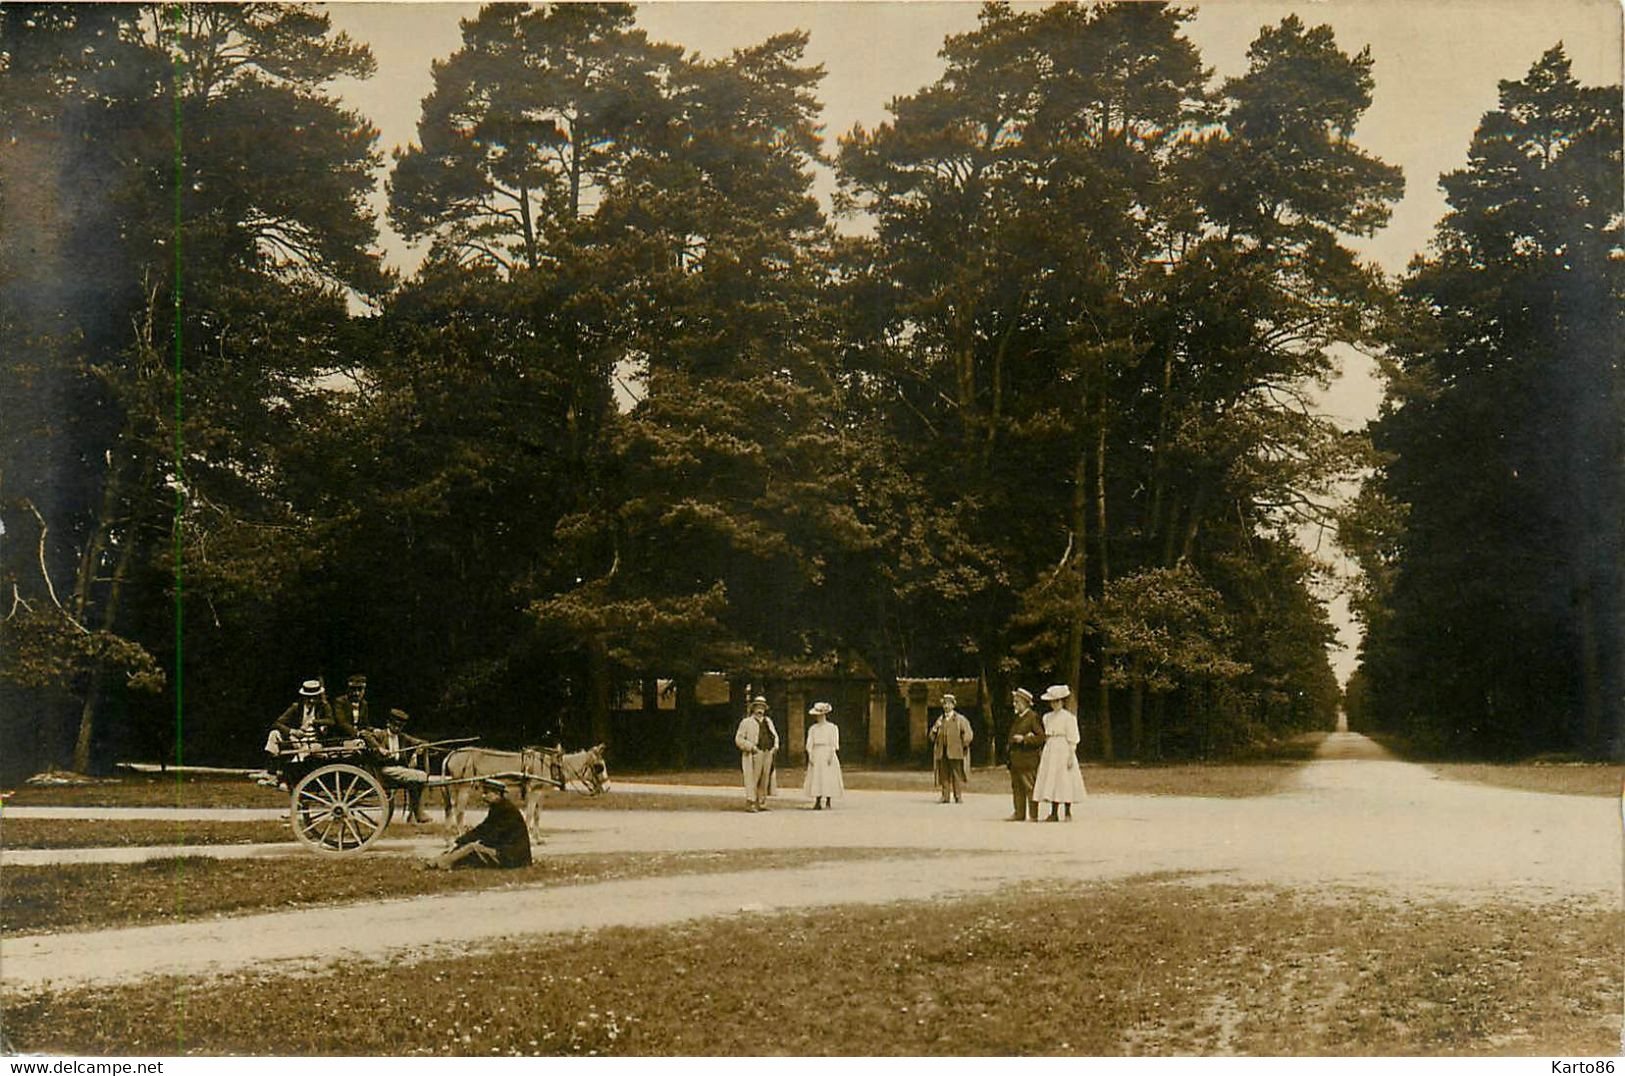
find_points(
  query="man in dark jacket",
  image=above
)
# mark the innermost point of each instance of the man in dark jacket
(500, 841)
(351, 707)
(1026, 744)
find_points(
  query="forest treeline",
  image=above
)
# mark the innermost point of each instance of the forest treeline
(1041, 410)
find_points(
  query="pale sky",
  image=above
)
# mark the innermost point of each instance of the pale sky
(1437, 64)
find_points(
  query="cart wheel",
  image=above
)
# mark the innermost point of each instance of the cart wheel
(340, 808)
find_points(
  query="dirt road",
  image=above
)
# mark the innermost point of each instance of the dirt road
(1354, 818)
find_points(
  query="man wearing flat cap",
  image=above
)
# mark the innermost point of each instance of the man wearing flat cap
(350, 708)
(392, 748)
(1026, 744)
(757, 740)
(500, 841)
(950, 749)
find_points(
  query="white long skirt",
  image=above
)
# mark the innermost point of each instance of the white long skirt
(824, 777)
(1056, 781)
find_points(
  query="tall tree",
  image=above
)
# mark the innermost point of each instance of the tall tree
(212, 128)
(1492, 535)
(540, 107)
(1102, 294)
(712, 543)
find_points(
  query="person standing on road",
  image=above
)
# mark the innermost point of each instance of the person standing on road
(950, 749)
(823, 781)
(1025, 744)
(500, 841)
(1060, 779)
(757, 740)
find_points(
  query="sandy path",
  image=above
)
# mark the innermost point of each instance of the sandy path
(1353, 818)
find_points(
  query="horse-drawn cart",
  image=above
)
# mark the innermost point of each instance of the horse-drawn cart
(340, 800)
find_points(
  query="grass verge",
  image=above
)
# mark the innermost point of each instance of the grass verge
(90, 896)
(16, 833)
(1258, 775)
(1215, 779)
(141, 792)
(1562, 778)
(1134, 968)
(153, 790)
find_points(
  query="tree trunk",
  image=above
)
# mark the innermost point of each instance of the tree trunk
(599, 691)
(1102, 572)
(1159, 704)
(575, 175)
(649, 732)
(990, 709)
(1159, 459)
(1136, 708)
(109, 620)
(1080, 553)
(684, 740)
(528, 226)
(1591, 738)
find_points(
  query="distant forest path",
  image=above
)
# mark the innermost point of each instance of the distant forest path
(1355, 818)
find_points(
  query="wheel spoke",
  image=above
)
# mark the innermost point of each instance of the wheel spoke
(327, 832)
(353, 830)
(365, 814)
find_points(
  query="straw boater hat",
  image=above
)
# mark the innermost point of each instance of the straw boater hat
(311, 687)
(397, 717)
(1024, 693)
(358, 680)
(758, 703)
(820, 708)
(947, 698)
(1056, 691)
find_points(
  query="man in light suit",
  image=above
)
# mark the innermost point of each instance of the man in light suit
(950, 749)
(757, 740)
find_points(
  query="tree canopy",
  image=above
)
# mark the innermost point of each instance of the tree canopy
(1491, 535)
(643, 412)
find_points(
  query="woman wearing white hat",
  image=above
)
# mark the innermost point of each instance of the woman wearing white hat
(823, 780)
(1060, 779)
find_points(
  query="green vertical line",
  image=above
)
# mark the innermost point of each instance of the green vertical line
(177, 71)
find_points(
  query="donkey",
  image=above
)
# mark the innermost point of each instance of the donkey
(466, 762)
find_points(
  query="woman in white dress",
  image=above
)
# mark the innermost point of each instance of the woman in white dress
(1060, 778)
(823, 780)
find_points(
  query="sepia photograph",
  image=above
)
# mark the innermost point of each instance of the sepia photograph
(861, 528)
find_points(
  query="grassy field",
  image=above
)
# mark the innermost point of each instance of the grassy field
(140, 792)
(17, 833)
(150, 791)
(92, 895)
(1563, 778)
(1255, 776)
(1220, 779)
(1143, 967)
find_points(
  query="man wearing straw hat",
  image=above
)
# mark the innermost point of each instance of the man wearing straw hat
(757, 740)
(950, 749)
(1025, 745)
(303, 725)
